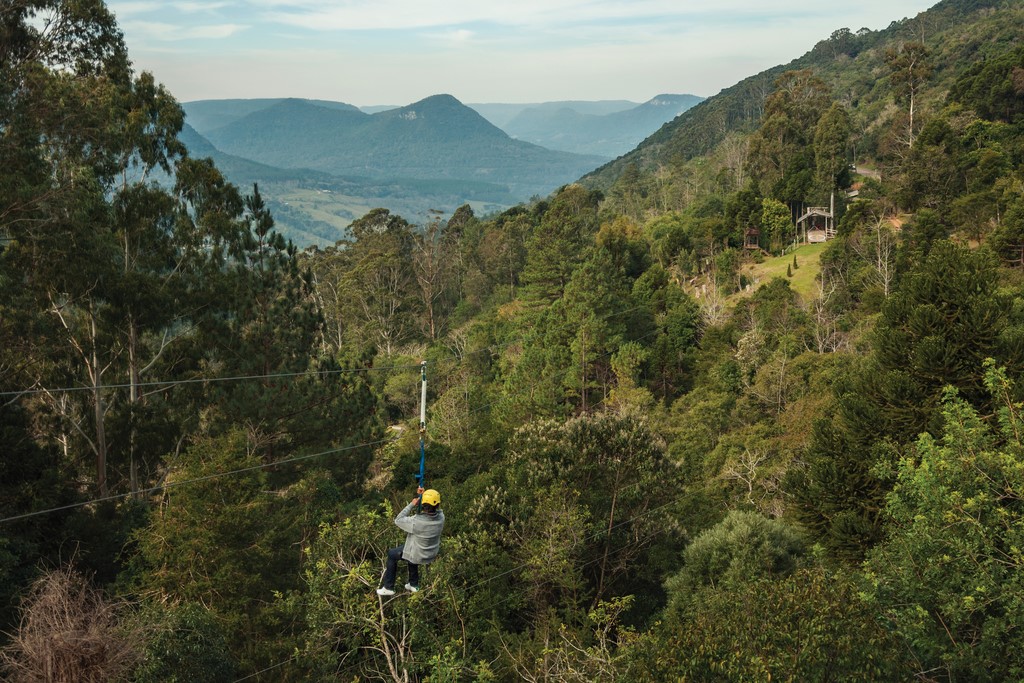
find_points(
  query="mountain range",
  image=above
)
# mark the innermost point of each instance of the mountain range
(320, 164)
(435, 138)
(609, 134)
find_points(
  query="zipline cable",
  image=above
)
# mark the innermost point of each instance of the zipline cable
(269, 668)
(122, 496)
(211, 380)
(207, 477)
(202, 380)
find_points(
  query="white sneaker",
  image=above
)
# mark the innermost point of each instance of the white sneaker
(385, 591)
(411, 588)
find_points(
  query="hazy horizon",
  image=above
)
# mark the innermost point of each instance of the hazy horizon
(395, 52)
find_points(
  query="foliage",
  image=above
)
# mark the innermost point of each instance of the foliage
(948, 575)
(742, 548)
(993, 88)
(937, 329)
(810, 625)
(186, 644)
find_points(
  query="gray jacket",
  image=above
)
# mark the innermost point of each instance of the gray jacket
(424, 535)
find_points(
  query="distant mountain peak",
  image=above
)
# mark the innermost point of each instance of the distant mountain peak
(436, 102)
(442, 98)
(443, 107)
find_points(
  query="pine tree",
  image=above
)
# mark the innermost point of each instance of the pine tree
(556, 246)
(936, 330)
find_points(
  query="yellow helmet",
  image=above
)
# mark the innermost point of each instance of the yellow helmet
(431, 497)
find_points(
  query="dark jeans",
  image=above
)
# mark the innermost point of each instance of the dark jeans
(394, 555)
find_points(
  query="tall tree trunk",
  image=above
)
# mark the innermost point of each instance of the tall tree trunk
(583, 370)
(608, 539)
(101, 435)
(910, 136)
(133, 400)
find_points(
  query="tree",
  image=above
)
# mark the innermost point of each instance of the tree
(944, 319)
(556, 246)
(743, 547)
(500, 255)
(808, 625)
(186, 644)
(876, 245)
(781, 150)
(86, 135)
(435, 264)
(777, 223)
(224, 543)
(327, 270)
(1008, 239)
(380, 281)
(594, 303)
(993, 87)
(949, 574)
(669, 237)
(831, 140)
(30, 479)
(911, 67)
(675, 319)
(585, 486)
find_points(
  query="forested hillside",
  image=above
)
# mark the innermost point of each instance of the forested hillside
(673, 440)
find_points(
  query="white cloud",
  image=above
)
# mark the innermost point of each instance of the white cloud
(455, 38)
(421, 14)
(164, 31)
(122, 10)
(197, 6)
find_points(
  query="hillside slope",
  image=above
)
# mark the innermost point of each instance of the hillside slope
(501, 113)
(957, 32)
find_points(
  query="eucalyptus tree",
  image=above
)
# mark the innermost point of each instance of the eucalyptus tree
(436, 266)
(379, 280)
(88, 236)
(912, 65)
(831, 142)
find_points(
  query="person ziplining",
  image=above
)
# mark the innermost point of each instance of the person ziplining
(422, 541)
(423, 529)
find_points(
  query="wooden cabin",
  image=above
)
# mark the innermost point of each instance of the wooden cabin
(818, 223)
(751, 238)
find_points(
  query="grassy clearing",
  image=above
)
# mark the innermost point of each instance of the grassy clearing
(803, 279)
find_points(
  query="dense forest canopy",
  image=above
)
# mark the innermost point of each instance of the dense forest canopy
(744, 404)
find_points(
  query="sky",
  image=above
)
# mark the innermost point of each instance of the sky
(396, 52)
